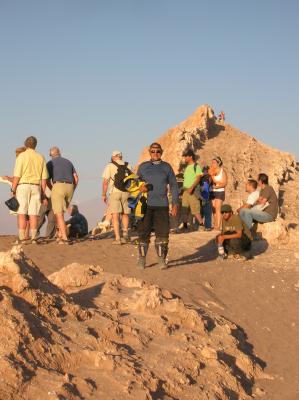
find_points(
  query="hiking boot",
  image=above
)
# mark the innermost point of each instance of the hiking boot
(141, 262)
(162, 263)
(222, 257)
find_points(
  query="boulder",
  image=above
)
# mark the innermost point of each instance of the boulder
(274, 232)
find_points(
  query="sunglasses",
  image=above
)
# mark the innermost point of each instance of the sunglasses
(156, 151)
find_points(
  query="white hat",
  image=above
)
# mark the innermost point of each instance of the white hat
(116, 153)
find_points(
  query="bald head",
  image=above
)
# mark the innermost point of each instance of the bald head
(54, 151)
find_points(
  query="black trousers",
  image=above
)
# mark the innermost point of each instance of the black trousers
(157, 219)
(237, 246)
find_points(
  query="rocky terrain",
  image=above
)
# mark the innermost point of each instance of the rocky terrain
(243, 156)
(87, 334)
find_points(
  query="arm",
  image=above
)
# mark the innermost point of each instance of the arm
(104, 189)
(15, 182)
(221, 238)
(76, 179)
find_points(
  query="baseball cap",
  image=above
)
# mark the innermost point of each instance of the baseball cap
(226, 208)
(116, 153)
(189, 153)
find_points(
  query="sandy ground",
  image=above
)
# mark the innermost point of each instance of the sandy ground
(260, 296)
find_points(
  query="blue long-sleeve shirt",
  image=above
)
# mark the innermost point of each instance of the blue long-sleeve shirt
(160, 175)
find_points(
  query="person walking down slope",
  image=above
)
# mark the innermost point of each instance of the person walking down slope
(63, 180)
(113, 183)
(159, 174)
(29, 185)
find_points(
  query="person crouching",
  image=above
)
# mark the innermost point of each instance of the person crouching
(235, 238)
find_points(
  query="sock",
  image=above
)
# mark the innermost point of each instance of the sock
(221, 250)
(21, 234)
(33, 233)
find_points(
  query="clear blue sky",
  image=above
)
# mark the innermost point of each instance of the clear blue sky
(91, 76)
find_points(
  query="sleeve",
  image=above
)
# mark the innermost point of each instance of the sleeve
(73, 169)
(45, 174)
(18, 166)
(139, 172)
(50, 169)
(173, 186)
(198, 170)
(107, 172)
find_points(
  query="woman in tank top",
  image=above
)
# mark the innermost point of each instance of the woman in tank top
(219, 177)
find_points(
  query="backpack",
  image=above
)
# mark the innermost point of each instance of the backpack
(122, 172)
(206, 187)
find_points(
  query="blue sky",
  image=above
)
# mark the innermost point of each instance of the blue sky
(91, 76)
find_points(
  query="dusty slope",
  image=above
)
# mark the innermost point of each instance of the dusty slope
(112, 337)
(261, 296)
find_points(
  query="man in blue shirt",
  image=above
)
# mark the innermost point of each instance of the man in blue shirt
(63, 180)
(160, 175)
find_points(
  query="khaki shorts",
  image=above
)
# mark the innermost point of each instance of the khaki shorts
(118, 203)
(61, 196)
(28, 197)
(192, 202)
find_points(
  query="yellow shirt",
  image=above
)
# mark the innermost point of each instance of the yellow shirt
(30, 167)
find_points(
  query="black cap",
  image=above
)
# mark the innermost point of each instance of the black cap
(189, 153)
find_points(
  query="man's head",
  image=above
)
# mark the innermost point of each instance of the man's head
(155, 151)
(263, 180)
(30, 142)
(226, 211)
(72, 209)
(54, 151)
(189, 156)
(251, 185)
(116, 155)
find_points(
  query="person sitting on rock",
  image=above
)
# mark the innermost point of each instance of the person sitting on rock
(254, 194)
(77, 225)
(266, 207)
(235, 237)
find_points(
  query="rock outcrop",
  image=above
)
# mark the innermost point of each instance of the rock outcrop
(107, 336)
(243, 156)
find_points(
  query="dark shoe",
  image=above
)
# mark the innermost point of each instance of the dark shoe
(141, 262)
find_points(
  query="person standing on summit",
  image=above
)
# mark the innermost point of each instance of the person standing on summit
(160, 175)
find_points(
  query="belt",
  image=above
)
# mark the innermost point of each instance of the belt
(28, 183)
(69, 183)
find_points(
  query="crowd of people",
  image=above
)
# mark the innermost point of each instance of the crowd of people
(148, 200)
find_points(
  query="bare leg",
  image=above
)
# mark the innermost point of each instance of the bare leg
(217, 203)
(199, 218)
(115, 222)
(33, 221)
(125, 222)
(61, 225)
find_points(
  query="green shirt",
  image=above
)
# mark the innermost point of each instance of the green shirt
(191, 172)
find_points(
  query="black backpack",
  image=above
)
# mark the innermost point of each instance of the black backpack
(122, 172)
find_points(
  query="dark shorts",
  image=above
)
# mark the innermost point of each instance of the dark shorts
(217, 195)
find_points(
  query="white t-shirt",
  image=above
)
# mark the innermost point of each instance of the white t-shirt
(109, 173)
(253, 197)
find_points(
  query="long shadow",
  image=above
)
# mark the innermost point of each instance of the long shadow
(205, 253)
(86, 297)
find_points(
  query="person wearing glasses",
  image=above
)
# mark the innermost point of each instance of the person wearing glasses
(235, 238)
(160, 175)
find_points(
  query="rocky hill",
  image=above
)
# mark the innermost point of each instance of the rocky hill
(243, 156)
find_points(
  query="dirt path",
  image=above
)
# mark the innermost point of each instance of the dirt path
(260, 295)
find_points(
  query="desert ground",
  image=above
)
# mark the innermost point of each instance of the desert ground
(256, 299)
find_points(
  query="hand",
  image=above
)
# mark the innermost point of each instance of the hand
(45, 202)
(143, 188)
(104, 198)
(174, 210)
